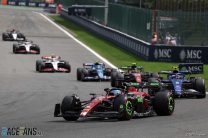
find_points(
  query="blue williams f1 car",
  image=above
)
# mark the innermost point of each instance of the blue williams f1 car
(183, 86)
(94, 72)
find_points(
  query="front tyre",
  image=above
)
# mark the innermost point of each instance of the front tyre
(38, 62)
(124, 107)
(164, 103)
(70, 103)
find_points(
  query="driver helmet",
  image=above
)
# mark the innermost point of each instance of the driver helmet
(133, 68)
(96, 64)
(175, 69)
(53, 56)
(114, 92)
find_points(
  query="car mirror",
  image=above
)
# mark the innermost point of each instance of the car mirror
(106, 89)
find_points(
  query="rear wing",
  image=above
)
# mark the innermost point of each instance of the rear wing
(91, 64)
(165, 72)
(193, 68)
(130, 67)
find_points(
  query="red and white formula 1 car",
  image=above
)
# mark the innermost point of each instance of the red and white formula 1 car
(26, 47)
(52, 64)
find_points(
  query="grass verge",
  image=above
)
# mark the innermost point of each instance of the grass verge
(111, 52)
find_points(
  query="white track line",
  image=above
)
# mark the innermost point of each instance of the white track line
(79, 42)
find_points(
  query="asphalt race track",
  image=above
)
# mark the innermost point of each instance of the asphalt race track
(27, 98)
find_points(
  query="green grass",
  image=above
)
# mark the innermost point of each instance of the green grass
(111, 52)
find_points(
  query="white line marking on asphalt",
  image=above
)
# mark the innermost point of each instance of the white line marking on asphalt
(82, 44)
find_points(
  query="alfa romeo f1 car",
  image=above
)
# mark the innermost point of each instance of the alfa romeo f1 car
(183, 86)
(26, 47)
(52, 64)
(93, 71)
(13, 35)
(132, 74)
(122, 104)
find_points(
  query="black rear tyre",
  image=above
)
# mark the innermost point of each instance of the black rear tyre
(69, 103)
(164, 103)
(124, 107)
(68, 67)
(38, 49)
(113, 78)
(116, 79)
(79, 73)
(14, 48)
(3, 37)
(200, 87)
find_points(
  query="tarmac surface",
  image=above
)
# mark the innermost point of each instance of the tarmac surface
(27, 98)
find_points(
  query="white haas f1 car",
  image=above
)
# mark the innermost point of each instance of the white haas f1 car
(26, 47)
(52, 64)
(13, 35)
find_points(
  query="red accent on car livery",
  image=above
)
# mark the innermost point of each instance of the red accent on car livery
(24, 51)
(63, 69)
(136, 92)
(93, 103)
(21, 51)
(47, 69)
(33, 51)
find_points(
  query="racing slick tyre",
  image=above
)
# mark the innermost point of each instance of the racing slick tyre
(70, 103)
(115, 77)
(164, 103)
(199, 86)
(4, 37)
(38, 49)
(124, 107)
(41, 66)
(153, 86)
(14, 48)
(67, 66)
(79, 73)
(38, 62)
(83, 74)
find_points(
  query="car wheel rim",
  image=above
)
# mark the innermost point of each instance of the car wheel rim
(170, 104)
(129, 107)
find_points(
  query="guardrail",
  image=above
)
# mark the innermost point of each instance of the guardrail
(142, 49)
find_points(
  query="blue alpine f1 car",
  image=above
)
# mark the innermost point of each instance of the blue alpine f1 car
(94, 72)
(183, 86)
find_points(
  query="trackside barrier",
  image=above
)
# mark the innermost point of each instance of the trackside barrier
(142, 49)
(135, 46)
